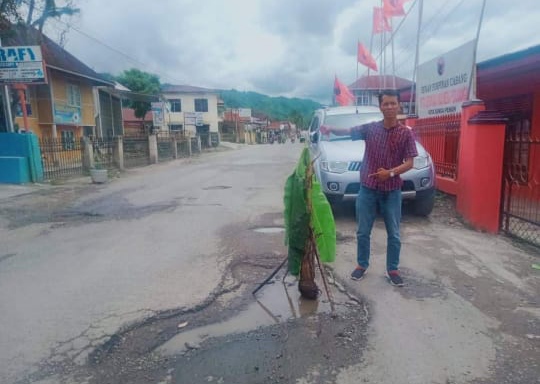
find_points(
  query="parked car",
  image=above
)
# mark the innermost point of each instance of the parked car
(338, 159)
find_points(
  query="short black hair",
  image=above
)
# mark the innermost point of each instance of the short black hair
(388, 92)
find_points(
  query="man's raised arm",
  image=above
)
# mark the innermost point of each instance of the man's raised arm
(326, 130)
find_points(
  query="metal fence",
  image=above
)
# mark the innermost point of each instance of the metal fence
(165, 148)
(136, 151)
(61, 157)
(182, 147)
(520, 208)
(103, 151)
(440, 137)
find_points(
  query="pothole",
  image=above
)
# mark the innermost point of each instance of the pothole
(269, 229)
(277, 302)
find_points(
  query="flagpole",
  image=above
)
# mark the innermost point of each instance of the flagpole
(382, 70)
(473, 72)
(356, 82)
(368, 71)
(393, 60)
(413, 84)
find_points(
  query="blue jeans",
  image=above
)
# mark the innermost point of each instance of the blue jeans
(389, 204)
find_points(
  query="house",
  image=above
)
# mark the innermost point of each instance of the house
(367, 88)
(64, 107)
(488, 155)
(108, 110)
(510, 85)
(192, 111)
(134, 126)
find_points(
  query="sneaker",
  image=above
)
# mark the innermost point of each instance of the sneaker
(358, 273)
(394, 278)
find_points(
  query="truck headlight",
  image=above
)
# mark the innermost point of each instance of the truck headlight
(420, 162)
(335, 166)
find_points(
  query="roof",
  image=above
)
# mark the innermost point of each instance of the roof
(377, 81)
(186, 89)
(510, 74)
(54, 55)
(525, 55)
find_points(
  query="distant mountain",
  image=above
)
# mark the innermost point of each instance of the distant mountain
(276, 108)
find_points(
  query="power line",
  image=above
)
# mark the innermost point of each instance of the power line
(100, 42)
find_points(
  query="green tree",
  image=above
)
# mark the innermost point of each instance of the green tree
(140, 82)
(276, 108)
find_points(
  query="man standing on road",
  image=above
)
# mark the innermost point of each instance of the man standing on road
(390, 150)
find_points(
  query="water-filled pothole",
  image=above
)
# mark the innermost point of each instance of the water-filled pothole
(269, 229)
(275, 303)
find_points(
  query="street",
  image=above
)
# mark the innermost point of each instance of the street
(148, 279)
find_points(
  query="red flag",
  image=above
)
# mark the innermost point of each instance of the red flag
(380, 22)
(364, 57)
(342, 94)
(393, 8)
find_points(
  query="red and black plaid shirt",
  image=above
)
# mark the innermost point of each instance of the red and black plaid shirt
(385, 148)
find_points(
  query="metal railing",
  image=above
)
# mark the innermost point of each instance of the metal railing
(440, 137)
(61, 157)
(136, 151)
(520, 208)
(103, 151)
(164, 147)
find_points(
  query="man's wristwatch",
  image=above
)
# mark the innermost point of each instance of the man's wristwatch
(392, 174)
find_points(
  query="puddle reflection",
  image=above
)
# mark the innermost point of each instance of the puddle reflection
(275, 303)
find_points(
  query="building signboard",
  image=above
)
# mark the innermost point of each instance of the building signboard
(443, 83)
(244, 112)
(190, 118)
(21, 64)
(157, 113)
(67, 114)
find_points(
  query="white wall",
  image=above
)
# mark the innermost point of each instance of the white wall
(188, 105)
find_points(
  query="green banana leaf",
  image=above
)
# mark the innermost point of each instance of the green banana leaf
(323, 224)
(298, 219)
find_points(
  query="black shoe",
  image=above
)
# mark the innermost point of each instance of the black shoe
(358, 273)
(394, 278)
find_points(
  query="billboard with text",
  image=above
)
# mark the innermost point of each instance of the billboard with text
(443, 83)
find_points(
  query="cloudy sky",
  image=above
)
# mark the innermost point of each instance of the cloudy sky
(290, 48)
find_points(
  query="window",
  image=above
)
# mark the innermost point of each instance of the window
(73, 95)
(314, 124)
(201, 105)
(363, 98)
(176, 105)
(175, 127)
(68, 140)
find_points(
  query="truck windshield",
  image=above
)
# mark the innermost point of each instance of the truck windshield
(348, 121)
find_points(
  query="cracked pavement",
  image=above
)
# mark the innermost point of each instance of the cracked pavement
(95, 282)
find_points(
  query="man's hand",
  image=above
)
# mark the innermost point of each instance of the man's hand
(381, 174)
(324, 130)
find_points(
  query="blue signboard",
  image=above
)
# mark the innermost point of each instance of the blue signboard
(66, 114)
(21, 64)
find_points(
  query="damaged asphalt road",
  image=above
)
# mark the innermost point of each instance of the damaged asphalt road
(148, 279)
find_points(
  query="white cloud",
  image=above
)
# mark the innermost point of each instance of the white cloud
(281, 47)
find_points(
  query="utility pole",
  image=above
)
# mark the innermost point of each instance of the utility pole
(416, 58)
(6, 101)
